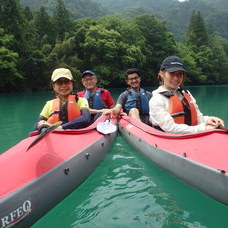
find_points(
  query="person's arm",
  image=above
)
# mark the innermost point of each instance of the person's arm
(113, 111)
(43, 116)
(80, 122)
(95, 111)
(118, 107)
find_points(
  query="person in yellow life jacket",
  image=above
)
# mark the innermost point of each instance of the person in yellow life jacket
(175, 110)
(72, 110)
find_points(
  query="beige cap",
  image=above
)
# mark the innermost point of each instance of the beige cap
(61, 73)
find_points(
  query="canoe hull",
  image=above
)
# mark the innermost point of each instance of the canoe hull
(27, 204)
(213, 182)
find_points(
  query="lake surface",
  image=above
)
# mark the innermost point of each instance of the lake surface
(126, 190)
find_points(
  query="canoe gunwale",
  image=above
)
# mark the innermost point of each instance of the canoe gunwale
(161, 134)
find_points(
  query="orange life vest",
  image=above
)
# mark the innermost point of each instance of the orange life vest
(73, 110)
(183, 111)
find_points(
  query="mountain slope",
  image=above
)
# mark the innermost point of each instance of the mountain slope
(175, 13)
(77, 8)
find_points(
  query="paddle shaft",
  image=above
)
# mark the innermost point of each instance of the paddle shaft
(43, 133)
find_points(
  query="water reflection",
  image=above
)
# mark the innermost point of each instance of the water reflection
(19, 112)
(128, 191)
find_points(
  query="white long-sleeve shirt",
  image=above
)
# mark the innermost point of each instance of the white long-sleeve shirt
(159, 115)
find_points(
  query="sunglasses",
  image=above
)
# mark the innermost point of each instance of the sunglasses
(60, 82)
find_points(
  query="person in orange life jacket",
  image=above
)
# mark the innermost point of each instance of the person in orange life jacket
(99, 99)
(72, 110)
(135, 100)
(175, 110)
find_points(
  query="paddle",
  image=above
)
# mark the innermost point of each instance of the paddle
(106, 127)
(43, 133)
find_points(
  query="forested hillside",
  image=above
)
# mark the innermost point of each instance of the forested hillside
(77, 8)
(33, 42)
(176, 14)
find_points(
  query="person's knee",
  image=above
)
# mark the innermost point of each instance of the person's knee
(134, 111)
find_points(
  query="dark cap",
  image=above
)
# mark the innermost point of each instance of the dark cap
(88, 72)
(172, 64)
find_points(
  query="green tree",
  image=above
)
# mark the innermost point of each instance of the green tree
(8, 62)
(80, 28)
(159, 43)
(197, 41)
(219, 62)
(44, 28)
(111, 47)
(28, 14)
(12, 21)
(207, 51)
(61, 20)
(197, 34)
(37, 72)
(194, 72)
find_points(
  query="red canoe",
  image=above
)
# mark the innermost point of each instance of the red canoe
(33, 181)
(200, 159)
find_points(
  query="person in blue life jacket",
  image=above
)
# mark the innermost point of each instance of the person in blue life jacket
(135, 100)
(99, 99)
(67, 107)
(173, 109)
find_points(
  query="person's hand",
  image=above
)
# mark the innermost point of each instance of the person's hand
(42, 122)
(109, 112)
(209, 127)
(122, 114)
(214, 122)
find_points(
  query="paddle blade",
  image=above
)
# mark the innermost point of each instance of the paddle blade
(106, 127)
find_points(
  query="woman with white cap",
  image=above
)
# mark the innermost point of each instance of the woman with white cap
(72, 110)
(175, 110)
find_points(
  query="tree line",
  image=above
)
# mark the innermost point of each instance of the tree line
(33, 43)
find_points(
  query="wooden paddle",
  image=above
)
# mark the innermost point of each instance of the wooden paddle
(43, 133)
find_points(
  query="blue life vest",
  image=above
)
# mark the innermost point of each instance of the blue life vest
(139, 101)
(94, 99)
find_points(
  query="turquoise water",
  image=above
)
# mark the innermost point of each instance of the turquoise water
(126, 190)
